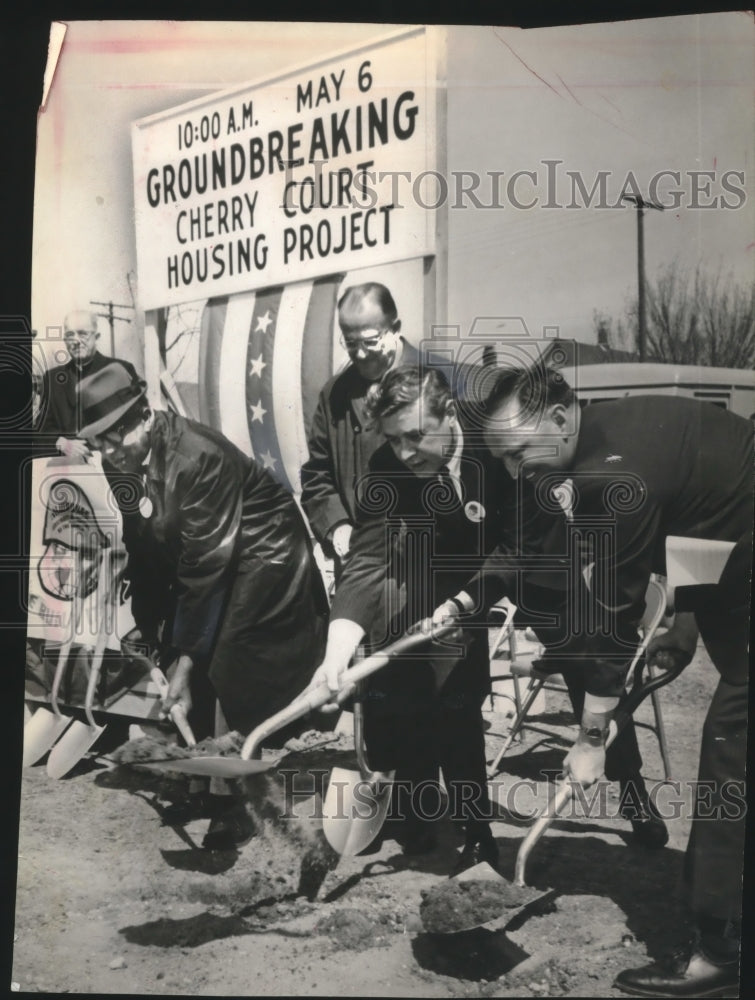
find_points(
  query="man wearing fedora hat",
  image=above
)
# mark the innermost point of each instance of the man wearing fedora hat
(218, 551)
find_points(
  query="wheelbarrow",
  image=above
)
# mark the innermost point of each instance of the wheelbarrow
(480, 896)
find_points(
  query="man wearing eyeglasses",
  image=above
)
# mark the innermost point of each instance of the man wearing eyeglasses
(59, 410)
(341, 440)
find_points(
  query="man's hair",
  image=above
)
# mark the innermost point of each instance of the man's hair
(403, 386)
(91, 318)
(535, 389)
(375, 291)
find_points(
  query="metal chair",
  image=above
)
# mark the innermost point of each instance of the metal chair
(655, 608)
(505, 643)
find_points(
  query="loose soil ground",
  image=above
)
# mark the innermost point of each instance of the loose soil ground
(112, 899)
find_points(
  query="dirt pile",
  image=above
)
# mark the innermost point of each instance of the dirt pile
(458, 905)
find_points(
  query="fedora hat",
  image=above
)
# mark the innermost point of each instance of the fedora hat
(105, 396)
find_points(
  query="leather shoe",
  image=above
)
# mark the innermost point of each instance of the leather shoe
(475, 852)
(230, 829)
(648, 829)
(685, 973)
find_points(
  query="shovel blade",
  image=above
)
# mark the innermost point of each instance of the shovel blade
(211, 767)
(477, 897)
(354, 809)
(40, 732)
(71, 747)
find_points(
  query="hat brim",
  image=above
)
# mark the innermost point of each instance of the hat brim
(95, 429)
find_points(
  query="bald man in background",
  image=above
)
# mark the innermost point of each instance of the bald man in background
(59, 419)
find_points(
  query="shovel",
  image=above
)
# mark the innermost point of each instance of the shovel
(72, 746)
(356, 802)
(45, 726)
(480, 897)
(309, 700)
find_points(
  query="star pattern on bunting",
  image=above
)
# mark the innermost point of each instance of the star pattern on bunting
(268, 462)
(263, 322)
(258, 411)
(256, 366)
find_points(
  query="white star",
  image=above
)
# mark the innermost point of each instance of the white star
(268, 462)
(257, 365)
(263, 323)
(258, 411)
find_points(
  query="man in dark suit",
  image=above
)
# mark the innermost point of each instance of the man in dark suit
(429, 510)
(217, 551)
(642, 469)
(341, 440)
(59, 420)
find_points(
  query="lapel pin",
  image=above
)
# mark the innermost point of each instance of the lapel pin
(474, 511)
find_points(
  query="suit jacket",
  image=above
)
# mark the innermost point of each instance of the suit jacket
(59, 412)
(647, 467)
(416, 544)
(217, 518)
(341, 443)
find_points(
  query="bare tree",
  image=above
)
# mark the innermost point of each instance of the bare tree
(692, 319)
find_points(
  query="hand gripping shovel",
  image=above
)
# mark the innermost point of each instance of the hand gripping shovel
(480, 897)
(356, 802)
(72, 746)
(177, 713)
(45, 726)
(249, 762)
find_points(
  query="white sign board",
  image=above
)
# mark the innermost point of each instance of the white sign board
(325, 169)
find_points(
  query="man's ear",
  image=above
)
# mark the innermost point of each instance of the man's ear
(451, 411)
(396, 326)
(559, 416)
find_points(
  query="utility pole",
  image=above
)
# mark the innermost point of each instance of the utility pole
(640, 205)
(112, 318)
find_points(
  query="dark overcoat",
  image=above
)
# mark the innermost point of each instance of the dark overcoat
(225, 558)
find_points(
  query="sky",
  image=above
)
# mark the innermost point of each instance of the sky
(644, 96)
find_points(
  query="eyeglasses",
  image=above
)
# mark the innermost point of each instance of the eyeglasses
(370, 341)
(78, 334)
(114, 436)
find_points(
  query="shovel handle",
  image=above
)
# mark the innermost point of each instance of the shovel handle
(177, 713)
(104, 597)
(564, 792)
(314, 698)
(64, 653)
(556, 805)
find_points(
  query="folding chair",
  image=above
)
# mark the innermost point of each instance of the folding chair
(655, 608)
(505, 643)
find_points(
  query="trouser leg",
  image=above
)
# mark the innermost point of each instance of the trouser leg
(461, 740)
(714, 856)
(406, 742)
(713, 861)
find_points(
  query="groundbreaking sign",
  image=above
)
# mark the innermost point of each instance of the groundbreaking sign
(325, 169)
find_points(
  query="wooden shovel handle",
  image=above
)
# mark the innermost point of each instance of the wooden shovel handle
(314, 698)
(177, 713)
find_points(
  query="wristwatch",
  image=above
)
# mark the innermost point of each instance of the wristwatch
(595, 736)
